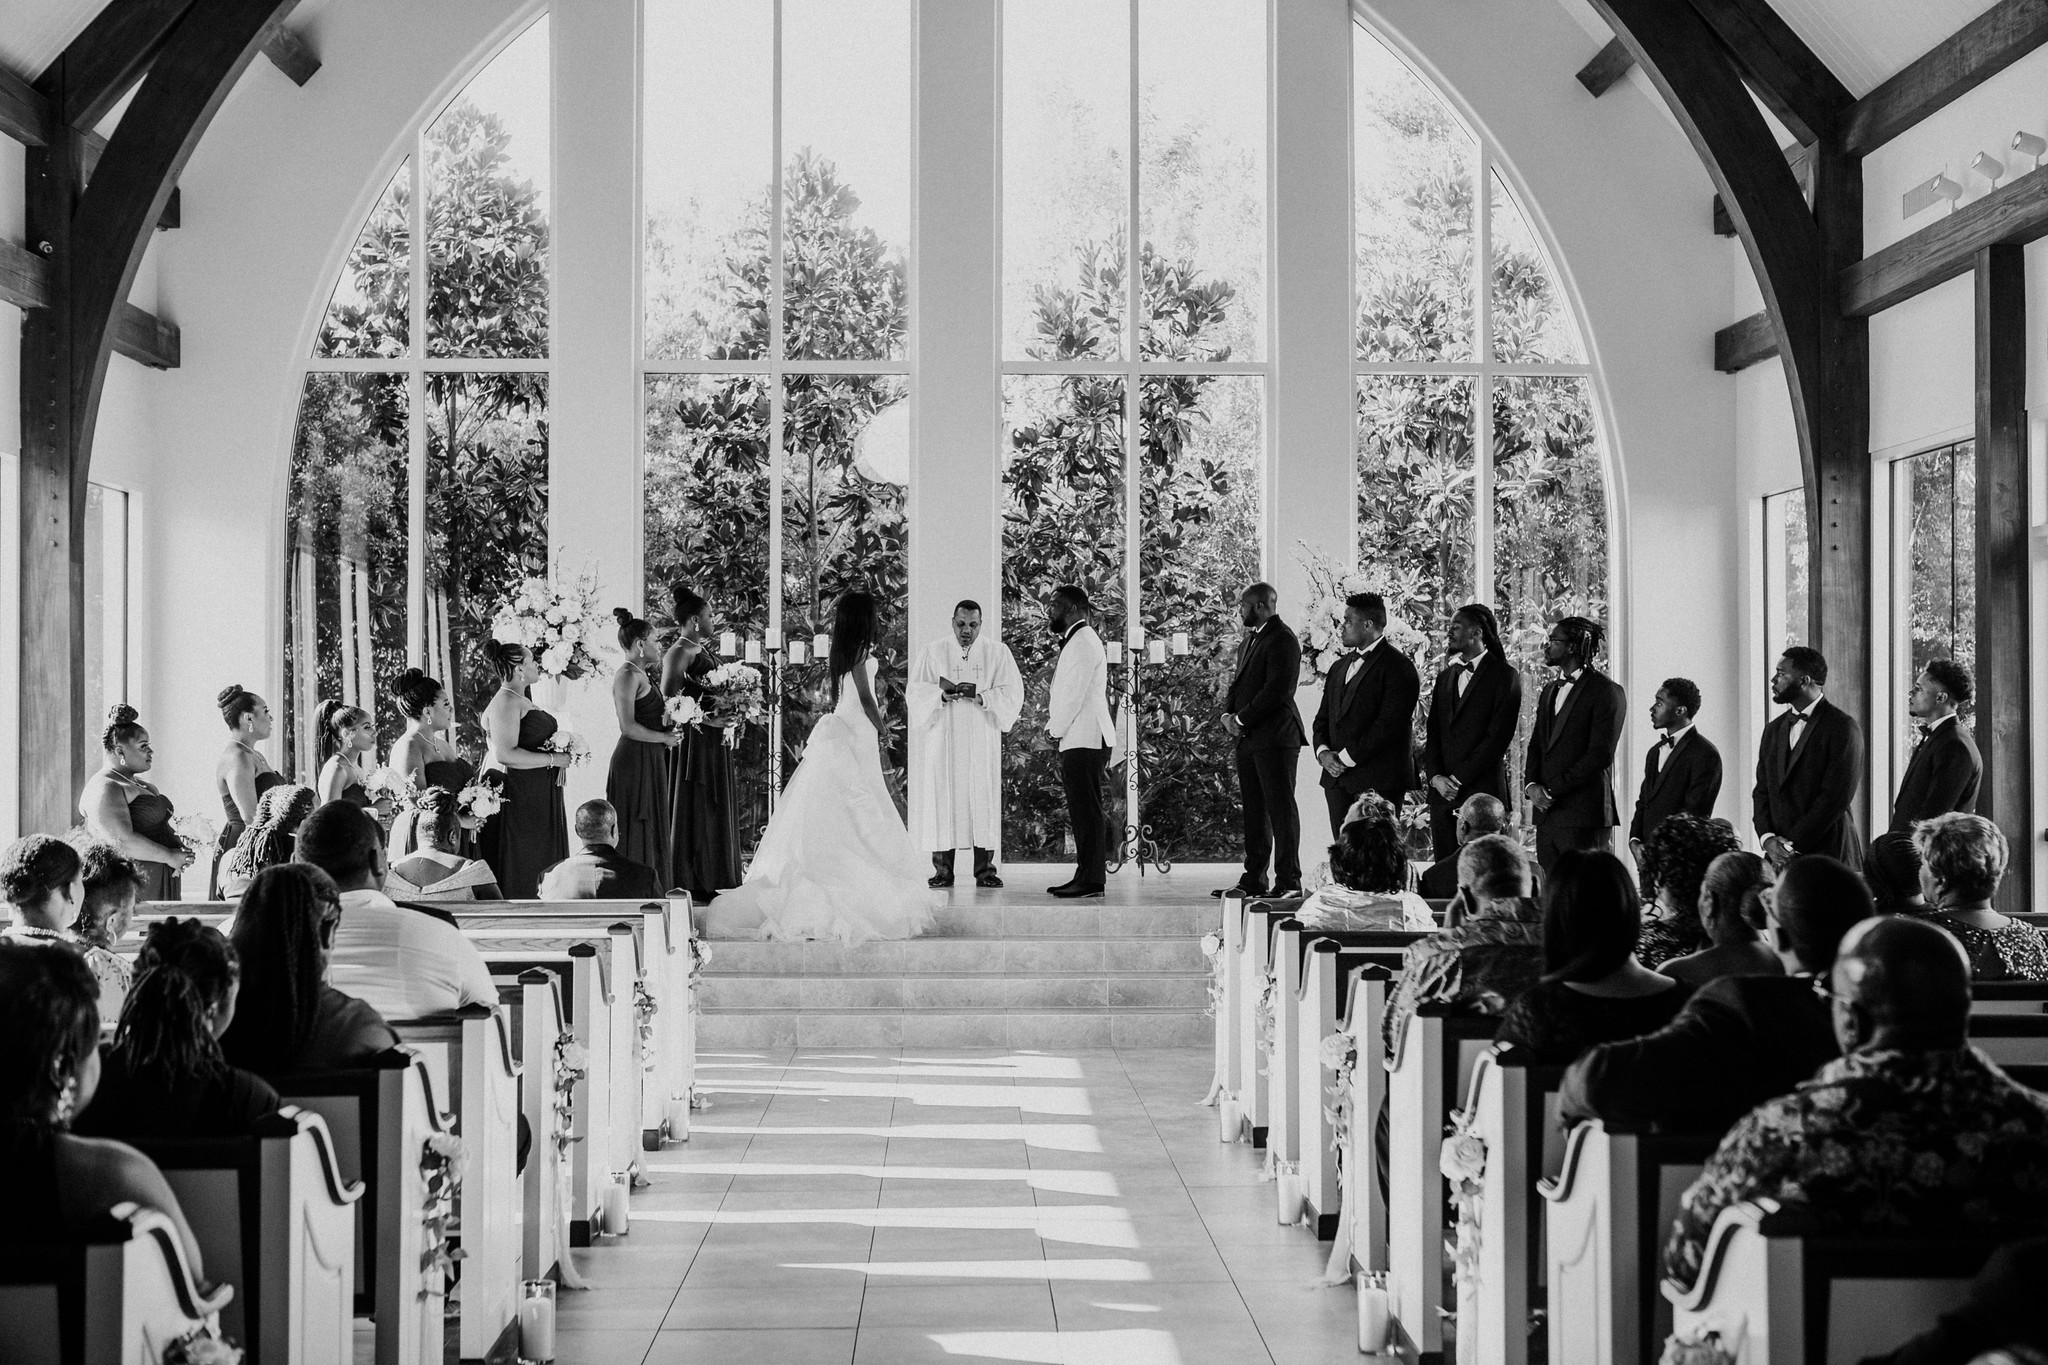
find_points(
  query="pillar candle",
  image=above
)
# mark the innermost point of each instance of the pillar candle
(728, 645)
(1372, 1313)
(1287, 1189)
(1115, 651)
(537, 1322)
(797, 652)
(753, 651)
(616, 1218)
(821, 644)
(1180, 644)
(1156, 651)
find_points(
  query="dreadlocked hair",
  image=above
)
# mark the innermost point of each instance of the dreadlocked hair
(278, 933)
(1481, 615)
(1586, 636)
(183, 973)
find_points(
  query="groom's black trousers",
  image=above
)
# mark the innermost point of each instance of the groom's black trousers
(1081, 774)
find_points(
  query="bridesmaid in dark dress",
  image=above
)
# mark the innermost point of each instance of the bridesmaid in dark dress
(129, 813)
(425, 756)
(348, 737)
(638, 783)
(530, 832)
(243, 774)
(706, 845)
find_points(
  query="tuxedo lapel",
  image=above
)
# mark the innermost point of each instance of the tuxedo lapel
(1813, 723)
(1358, 674)
(1479, 675)
(1657, 774)
(1558, 714)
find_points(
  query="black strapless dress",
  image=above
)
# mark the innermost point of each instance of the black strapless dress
(233, 827)
(638, 788)
(450, 774)
(150, 815)
(530, 832)
(706, 846)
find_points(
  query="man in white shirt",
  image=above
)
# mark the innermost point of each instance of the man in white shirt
(1078, 716)
(405, 964)
(964, 695)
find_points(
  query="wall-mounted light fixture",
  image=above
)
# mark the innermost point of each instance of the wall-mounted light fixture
(2028, 145)
(1988, 166)
(1928, 193)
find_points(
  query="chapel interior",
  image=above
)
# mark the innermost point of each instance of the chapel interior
(1691, 339)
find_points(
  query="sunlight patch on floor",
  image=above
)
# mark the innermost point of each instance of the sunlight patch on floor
(1098, 1183)
(1097, 1225)
(1098, 1271)
(1055, 1137)
(1116, 1346)
(1030, 1099)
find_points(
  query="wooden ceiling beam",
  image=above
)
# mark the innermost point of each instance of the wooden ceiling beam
(1792, 82)
(1800, 159)
(2012, 215)
(288, 52)
(109, 57)
(1607, 68)
(145, 337)
(1742, 344)
(1967, 58)
(24, 277)
(24, 113)
(91, 147)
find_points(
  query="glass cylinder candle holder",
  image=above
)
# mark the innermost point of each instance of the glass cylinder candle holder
(1180, 644)
(821, 644)
(1156, 651)
(1374, 1312)
(537, 1321)
(617, 1217)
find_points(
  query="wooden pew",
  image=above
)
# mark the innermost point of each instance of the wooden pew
(2009, 997)
(540, 1026)
(669, 948)
(119, 1296)
(1438, 1053)
(470, 1050)
(1284, 1084)
(1230, 1004)
(1514, 1104)
(275, 1219)
(1609, 1210)
(2011, 1039)
(1327, 1002)
(1255, 978)
(1362, 1208)
(381, 1118)
(1775, 1287)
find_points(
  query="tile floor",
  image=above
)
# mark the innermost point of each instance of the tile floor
(878, 1207)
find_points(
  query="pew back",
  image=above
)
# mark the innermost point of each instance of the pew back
(2011, 1039)
(1259, 1017)
(1513, 1106)
(122, 1294)
(1324, 1006)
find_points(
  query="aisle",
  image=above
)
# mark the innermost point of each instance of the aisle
(878, 1207)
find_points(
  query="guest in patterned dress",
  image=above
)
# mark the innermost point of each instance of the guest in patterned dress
(1912, 1132)
(1369, 876)
(1962, 859)
(1489, 951)
(124, 810)
(1675, 859)
(112, 883)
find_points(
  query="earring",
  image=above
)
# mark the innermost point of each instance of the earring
(67, 1101)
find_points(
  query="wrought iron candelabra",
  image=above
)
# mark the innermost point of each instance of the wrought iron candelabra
(1138, 843)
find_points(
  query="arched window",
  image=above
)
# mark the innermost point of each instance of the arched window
(1459, 314)
(418, 488)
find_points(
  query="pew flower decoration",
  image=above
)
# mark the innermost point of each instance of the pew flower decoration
(700, 958)
(1212, 948)
(1462, 1159)
(1339, 1054)
(557, 619)
(480, 800)
(681, 711)
(442, 1160)
(1696, 1345)
(572, 1064)
(1414, 823)
(1262, 1021)
(195, 832)
(644, 1006)
(201, 1347)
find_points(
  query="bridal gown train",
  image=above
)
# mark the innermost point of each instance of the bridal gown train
(836, 861)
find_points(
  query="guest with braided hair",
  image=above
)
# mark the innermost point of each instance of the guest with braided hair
(1569, 773)
(287, 1018)
(272, 838)
(1674, 864)
(165, 1076)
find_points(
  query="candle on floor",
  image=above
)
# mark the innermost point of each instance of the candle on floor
(537, 1320)
(753, 651)
(1373, 1314)
(616, 1219)
(676, 1113)
(1287, 1189)
(1227, 1120)
(728, 645)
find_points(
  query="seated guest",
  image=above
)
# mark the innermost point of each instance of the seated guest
(1594, 990)
(1911, 1132)
(1369, 876)
(165, 1076)
(1489, 950)
(43, 879)
(1962, 859)
(1674, 861)
(271, 838)
(58, 1185)
(405, 964)
(436, 870)
(287, 1018)
(1894, 871)
(1732, 911)
(1741, 1039)
(113, 883)
(598, 873)
(1480, 814)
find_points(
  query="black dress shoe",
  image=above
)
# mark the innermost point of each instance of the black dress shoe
(1285, 893)
(1061, 889)
(988, 879)
(1078, 890)
(1250, 892)
(939, 881)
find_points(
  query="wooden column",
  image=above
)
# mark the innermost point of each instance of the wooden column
(2003, 610)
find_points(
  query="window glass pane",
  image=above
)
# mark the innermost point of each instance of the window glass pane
(370, 313)
(1413, 168)
(846, 103)
(706, 525)
(1784, 570)
(1198, 548)
(1063, 522)
(705, 164)
(487, 209)
(487, 521)
(344, 588)
(846, 470)
(1202, 172)
(1066, 185)
(1531, 324)
(1415, 481)
(99, 668)
(1934, 500)
(1549, 523)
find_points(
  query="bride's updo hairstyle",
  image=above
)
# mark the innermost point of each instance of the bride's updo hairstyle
(335, 719)
(414, 692)
(236, 703)
(503, 659)
(687, 603)
(853, 634)
(124, 726)
(632, 630)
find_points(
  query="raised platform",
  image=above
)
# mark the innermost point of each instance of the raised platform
(1013, 968)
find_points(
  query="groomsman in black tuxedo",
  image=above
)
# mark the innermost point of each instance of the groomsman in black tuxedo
(1259, 713)
(1682, 774)
(1569, 776)
(1365, 728)
(1808, 767)
(1474, 706)
(1941, 776)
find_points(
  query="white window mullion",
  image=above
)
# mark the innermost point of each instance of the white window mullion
(773, 625)
(1482, 396)
(416, 626)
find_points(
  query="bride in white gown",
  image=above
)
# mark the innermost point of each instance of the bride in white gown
(836, 861)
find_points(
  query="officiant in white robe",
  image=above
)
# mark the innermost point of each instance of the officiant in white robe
(964, 694)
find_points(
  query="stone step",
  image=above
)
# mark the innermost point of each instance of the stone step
(1076, 1028)
(959, 957)
(1054, 919)
(1156, 990)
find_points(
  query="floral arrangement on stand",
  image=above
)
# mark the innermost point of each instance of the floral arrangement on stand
(1212, 949)
(1696, 1345)
(557, 618)
(1322, 631)
(442, 1160)
(201, 1347)
(1462, 1159)
(733, 698)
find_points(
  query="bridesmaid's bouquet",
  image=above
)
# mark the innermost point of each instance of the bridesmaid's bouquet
(732, 698)
(567, 741)
(479, 801)
(681, 711)
(195, 832)
(557, 619)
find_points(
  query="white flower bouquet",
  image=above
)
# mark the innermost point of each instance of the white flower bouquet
(681, 711)
(733, 698)
(479, 801)
(567, 741)
(558, 621)
(195, 832)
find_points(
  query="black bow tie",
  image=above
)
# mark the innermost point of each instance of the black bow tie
(1667, 742)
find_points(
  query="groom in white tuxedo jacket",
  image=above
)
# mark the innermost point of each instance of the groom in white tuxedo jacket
(1078, 716)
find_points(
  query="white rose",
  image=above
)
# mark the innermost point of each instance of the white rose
(1355, 583)
(505, 629)
(1463, 1157)
(555, 659)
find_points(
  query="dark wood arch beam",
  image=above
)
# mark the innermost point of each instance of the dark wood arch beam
(1797, 254)
(92, 238)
